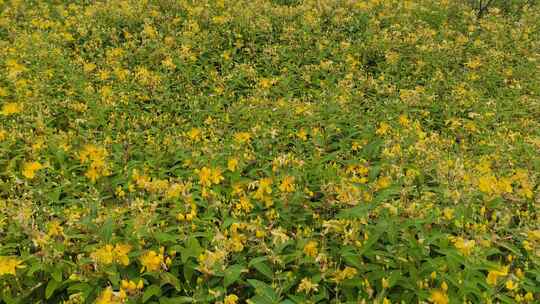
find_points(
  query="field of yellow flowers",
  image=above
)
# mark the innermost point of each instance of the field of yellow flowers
(269, 151)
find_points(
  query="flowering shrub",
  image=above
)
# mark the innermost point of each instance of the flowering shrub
(269, 151)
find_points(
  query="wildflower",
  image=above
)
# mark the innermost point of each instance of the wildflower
(103, 255)
(96, 156)
(310, 249)
(108, 297)
(10, 108)
(230, 299)
(383, 182)
(121, 253)
(54, 229)
(242, 137)
(264, 188)
(209, 176)
(510, 285)
(384, 282)
(232, 164)
(306, 285)
(9, 265)
(216, 176)
(346, 273)
(151, 261)
(439, 297)
(205, 177)
(108, 254)
(194, 134)
(463, 245)
(448, 213)
(493, 275)
(383, 128)
(287, 185)
(302, 134)
(30, 168)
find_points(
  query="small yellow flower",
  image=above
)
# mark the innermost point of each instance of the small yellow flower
(345, 274)
(287, 184)
(11, 108)
(306, 285)
(108, 297)
(103, 255)
(54, 229)
(510, 285)
(463, 245)
(383, 128)
(448, 213)
(310, 249)
(242, 137)
(232, 164)
(438, 297)
(493, 275)
(30, 168)
(151, 261)
(9, 265)
(205, 177)
(384, 282)
(121, 253)
(230, 299)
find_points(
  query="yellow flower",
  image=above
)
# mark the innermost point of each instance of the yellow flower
(10, 108)
(384, 282)
(9, 265)
(107, 297)
(383, 182)
(287, 184)
(265, 187)
(216, 176)
(194, 134)
(108, 254)
(448, 213)
(242, 137)
(232, 164)
(510, 285)
(302, 134)
(30, 168)
(103, 255)
(383, 128)
(151, 261)
(439, 297)
(54, 229)
(310, 249)
(230, 299)
(346, 273)
(493, 275)
(306, 285)
(463, 245)
(205, 177)
(121, 253)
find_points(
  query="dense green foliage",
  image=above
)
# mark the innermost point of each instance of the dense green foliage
(269, 151)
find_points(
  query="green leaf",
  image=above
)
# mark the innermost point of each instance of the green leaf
(264, 269)
(264, 290)
(168, 278)
(232, 274)
(176, 300)
(152, 290)
(51, 287)
(57, 274)
(192, 249)
(106, 230)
